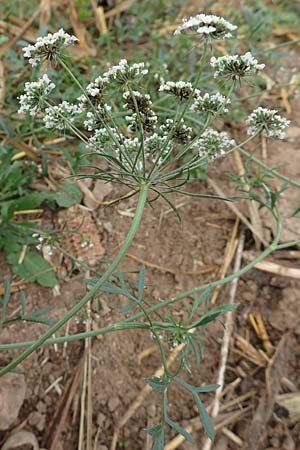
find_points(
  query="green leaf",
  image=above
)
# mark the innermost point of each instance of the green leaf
(158, 384)
(6, 298)
(179, 429)
(205, 296)
(212, 315)
(34, 268)
(205, 419)
(158, 435)
(68, 195)
(141, 283)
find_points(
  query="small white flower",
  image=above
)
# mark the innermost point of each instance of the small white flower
(181, 89)
(212, 144)
(59, 116)
(94, 91)
(48, 47)
(267, 121)
(94, 120)
(210, 103)
(208, 27)
(123, 72)
(35, 96)
(235, 67)
(103, 136)
(181, 133)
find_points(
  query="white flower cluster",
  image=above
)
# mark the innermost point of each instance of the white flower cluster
(181, 133)
(210, 103)
(235, 67)
(209, 27)
(36, 92)
(142, 102)
(59, 116)
(94, 91)
(101, 137)
(123, 72)
(95, 119)
(181, 89)
(212, 144)
(48, 47)
(267, 121)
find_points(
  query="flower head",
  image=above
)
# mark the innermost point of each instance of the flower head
(36, 94)
(181, 133)
(212, 144)
(235, 67)
(122, 73)
(94, 92)
(96, 119)
(48, 47)
(181, 89)
(60, 116)
(208, 27)
(210, 103)
(141, 102)
(268, 122)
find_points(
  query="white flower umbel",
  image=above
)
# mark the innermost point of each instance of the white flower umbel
(60, 116)
(181, 132)
(207, 27)
(235, 67)
(48, 47)
(268, 122)
(212, 144)
(210, 103)
(141, 102)
(122, 73)
(94, 92)
(94, 120)
(181, 89)
(103, 136)
(36, 93)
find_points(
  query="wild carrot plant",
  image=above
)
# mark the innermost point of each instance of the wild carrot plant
(153, 156)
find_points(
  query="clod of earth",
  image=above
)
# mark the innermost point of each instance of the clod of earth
(12, 395)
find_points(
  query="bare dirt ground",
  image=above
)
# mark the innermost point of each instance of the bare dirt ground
(256, 413)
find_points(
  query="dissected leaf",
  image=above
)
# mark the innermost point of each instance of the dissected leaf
(158, 384)
(158, 435)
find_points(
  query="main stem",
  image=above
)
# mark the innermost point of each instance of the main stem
(90, 294)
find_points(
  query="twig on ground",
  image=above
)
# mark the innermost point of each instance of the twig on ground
(237, 212)
(226, 338)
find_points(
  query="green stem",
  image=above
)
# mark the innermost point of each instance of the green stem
(267, 168)
(130, 322)
(89, 295)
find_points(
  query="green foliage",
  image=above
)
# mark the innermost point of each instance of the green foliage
(37, 316)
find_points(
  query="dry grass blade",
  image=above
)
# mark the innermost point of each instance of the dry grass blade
(246, 350)
(229, 254)
(99, 17)
(45, 12)
(255, 219)
(166, 269)
(259, 328)
(226, 338)
(58, 419)
(18, 32)
(237, 212)
(275, 268)
(79, 29)
(121, 7)
(274, 373)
